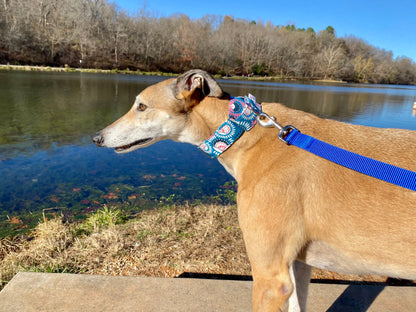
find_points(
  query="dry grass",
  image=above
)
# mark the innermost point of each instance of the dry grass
(165, 242)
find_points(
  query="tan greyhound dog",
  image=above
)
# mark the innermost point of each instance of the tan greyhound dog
(295, 209)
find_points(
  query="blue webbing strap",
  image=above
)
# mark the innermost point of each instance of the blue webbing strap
(377, 169)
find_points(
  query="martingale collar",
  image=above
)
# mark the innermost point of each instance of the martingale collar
(242, 115)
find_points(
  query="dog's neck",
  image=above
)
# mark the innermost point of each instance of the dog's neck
(202, 122)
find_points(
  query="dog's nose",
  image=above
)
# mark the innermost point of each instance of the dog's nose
(98, 139)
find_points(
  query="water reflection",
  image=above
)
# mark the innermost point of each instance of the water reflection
(38, 109)
(47, 119)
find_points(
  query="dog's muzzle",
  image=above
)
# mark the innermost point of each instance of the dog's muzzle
(98, 139)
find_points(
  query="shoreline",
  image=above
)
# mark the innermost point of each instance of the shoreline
(7, 67)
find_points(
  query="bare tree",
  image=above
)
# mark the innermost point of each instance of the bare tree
(331, 59)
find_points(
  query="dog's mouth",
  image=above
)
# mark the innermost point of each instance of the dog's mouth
(132, 146)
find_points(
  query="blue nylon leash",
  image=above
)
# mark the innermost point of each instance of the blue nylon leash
(371, 167)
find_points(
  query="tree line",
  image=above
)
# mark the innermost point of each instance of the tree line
(97, 34)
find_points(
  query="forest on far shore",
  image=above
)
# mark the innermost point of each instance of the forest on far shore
(97, 34)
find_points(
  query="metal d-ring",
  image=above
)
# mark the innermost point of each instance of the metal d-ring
(284, 133)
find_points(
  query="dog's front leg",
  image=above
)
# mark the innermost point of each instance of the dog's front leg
(272, 247)
(271, 292)
(300, 274)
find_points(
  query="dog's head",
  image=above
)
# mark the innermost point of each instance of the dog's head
(159, 112)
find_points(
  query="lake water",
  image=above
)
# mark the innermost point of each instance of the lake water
(47, 120)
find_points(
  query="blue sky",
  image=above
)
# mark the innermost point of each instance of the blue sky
(390, 25)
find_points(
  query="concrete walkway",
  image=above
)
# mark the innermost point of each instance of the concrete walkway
(72, 292)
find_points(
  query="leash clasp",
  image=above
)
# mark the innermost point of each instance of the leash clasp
(265, 120)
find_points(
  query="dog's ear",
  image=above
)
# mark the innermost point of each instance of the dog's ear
(194, 85)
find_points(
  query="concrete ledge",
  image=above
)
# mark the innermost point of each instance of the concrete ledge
(72, 292)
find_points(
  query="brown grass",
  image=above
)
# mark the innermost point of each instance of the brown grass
(165, 243)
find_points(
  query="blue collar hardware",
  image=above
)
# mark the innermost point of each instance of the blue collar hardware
(244, 113)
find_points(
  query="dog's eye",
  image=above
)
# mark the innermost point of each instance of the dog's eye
(141, 107)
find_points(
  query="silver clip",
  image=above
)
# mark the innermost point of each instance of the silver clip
(265, 120)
